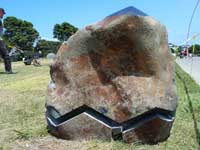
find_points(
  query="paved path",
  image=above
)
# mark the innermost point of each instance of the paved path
(191, 66)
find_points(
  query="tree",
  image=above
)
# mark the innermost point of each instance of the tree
(196, 49)
(47, 46)
(19, 33)
(180, 48)
(63, 31)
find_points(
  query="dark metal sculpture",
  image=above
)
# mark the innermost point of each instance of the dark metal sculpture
(143, 127)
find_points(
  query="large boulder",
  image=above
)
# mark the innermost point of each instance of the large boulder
(114, 79)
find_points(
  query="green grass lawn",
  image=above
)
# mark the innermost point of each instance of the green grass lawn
(22, 100)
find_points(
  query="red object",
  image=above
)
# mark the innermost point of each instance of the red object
(184, 52)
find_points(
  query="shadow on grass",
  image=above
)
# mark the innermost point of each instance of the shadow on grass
(191, 108)
(2, 73)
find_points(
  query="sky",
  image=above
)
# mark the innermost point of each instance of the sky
(44, 14)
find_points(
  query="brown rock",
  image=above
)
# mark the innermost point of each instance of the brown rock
(121, 67)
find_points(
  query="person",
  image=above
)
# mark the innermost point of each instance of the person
(3, 50)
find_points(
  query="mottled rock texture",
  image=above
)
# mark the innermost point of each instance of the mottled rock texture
(120, 67)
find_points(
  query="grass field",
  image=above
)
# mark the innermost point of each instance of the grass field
(23, 125)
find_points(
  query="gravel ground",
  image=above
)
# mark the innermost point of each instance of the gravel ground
(191, 65)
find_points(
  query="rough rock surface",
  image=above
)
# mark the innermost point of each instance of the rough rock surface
(120, 67)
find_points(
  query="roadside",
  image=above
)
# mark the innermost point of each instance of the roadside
(191, 66)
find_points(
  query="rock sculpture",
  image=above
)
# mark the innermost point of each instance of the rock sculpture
(114, 80)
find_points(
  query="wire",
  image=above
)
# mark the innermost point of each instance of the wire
(194, 10)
